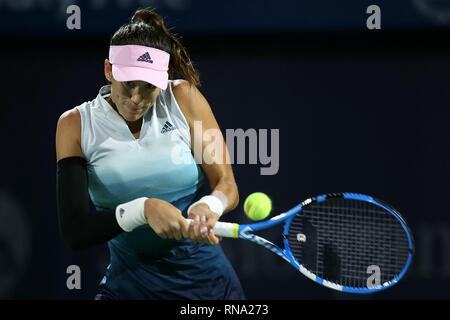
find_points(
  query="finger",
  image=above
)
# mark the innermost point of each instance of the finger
(191, 231)
(162, 235)
(195, 230)
(170, 235)
(204, 229)
(182, 225)
(212, 238)
(211, 221)
(184, 228)
(177, 235)
(203, 226)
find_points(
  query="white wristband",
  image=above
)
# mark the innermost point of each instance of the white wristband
(130, 215)
(214, 204)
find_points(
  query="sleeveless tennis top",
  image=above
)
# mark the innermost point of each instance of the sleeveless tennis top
(123, 168)
(160, 165)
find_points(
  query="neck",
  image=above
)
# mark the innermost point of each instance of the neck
(135, 126)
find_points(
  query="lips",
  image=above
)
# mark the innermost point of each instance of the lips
(136, 110)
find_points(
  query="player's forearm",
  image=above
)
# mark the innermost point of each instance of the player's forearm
(227, 191)
(79, 227)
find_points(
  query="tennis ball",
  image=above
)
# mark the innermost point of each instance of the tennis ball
(257, 206)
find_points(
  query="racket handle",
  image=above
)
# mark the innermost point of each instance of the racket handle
(224, 229)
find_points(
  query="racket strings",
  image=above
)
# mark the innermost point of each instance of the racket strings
(347, 239)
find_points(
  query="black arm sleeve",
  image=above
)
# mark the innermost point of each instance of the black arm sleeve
(80, 228)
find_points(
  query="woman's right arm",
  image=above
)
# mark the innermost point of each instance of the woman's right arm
(78, 226)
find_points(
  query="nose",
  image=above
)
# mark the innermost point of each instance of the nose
(136, 97)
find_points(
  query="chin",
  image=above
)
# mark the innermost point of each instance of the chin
(133, 117)
(129, 115)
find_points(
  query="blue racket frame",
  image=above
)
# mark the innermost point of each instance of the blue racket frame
(245, 231)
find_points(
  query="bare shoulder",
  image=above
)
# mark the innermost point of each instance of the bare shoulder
(184, 92)
(70, 119)
(69, 124)
(181, 86)
(190, 99)
(68, 134)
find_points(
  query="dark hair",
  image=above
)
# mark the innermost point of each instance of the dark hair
(147, 28)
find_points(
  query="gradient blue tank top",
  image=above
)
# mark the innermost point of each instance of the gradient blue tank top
(159, 164)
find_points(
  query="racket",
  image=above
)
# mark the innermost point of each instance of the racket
(344, 241)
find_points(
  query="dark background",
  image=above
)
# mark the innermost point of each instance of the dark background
(358, 110)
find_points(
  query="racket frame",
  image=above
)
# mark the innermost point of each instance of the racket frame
(245, 231)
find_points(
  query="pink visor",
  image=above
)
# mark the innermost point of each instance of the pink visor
(133, 63)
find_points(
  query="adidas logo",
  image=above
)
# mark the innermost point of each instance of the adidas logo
(146, 58)
(167, 127)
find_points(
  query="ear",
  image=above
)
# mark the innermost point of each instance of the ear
(108, 70)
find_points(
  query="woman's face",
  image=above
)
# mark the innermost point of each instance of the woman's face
(132, 98)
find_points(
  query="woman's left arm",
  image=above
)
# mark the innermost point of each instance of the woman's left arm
(213, 156)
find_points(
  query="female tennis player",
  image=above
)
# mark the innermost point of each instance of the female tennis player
(122, 150)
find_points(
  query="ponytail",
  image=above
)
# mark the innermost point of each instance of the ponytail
(147, 28)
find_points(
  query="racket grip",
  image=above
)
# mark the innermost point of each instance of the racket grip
(224, 229)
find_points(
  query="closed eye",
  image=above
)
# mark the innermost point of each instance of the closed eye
(150, 86)
(132, 84)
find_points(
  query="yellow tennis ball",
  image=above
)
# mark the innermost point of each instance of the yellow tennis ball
(257, 206)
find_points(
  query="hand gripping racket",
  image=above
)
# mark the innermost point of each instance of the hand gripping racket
(344, 241)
